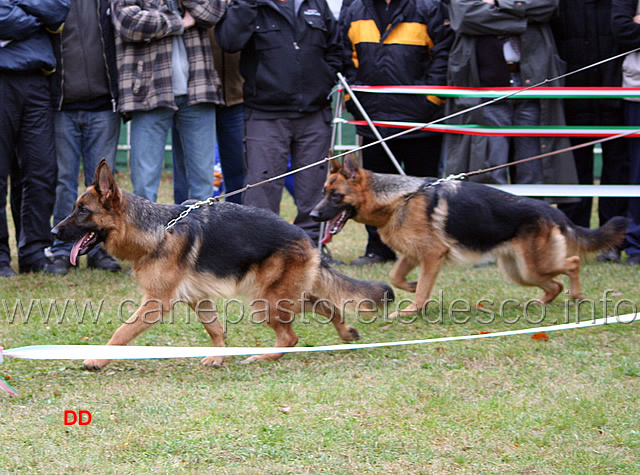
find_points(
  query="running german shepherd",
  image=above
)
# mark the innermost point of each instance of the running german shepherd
(461, 222)
(215, 251)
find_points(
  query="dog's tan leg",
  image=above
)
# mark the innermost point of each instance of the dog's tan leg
(429, 271)
(281, 322)
(542, 274)
(208, 316)
(149, 313)
(552, 289)
(538, 259)
(399, 272)
(572, 270)
(331, 311)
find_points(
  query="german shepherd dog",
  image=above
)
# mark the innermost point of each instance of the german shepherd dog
(461, 222)
(215, 251)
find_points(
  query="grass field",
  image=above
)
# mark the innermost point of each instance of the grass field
(568, 404)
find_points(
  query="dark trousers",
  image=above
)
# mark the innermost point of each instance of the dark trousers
(27, 151)
(632, 117)
(268, 145)
(614, 172)
(418, 157)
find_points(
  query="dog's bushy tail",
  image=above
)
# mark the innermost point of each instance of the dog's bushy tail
(353, 294)
(583, 240)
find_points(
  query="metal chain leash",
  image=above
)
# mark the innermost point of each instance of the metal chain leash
(190, 207)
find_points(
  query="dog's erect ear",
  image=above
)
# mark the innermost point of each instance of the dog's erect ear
(334, 166)
(350, 166)
(106, 185)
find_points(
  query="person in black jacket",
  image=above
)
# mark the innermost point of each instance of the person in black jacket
(290, 57)
(85, 92)
(396, 42)
(27, 30)
(625, 19)
(583, 34)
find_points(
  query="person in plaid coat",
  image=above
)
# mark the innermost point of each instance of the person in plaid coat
(166, 74)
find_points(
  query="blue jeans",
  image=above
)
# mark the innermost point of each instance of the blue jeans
(229, 132)
(149, 131)
(80, 135)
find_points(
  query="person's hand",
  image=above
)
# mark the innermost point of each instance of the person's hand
(187, 20)
(490, 2)
(636, 19)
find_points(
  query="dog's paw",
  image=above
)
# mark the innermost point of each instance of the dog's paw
(409, 286)
(212, 361)
(251, 359)
(353, 335)
(410, 310)
(257, 358)
(95, 365)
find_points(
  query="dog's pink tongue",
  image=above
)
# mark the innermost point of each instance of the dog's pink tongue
(73, 257)
(326, 239)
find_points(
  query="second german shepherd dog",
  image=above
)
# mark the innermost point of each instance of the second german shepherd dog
(532, 241)
(219, 250)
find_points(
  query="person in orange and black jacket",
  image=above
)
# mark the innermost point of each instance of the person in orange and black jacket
(396, 42)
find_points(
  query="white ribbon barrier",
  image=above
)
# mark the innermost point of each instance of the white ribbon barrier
(608, 191)
(82, 352)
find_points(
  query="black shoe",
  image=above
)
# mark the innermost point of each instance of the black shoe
(43, 265)
(103, 260)
(370, 258)
(7, 271)
(633, 260)
(608, 255)
(62, 262)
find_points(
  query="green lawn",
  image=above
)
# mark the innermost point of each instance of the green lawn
(507, 405)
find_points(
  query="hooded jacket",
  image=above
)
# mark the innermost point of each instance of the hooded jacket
(29, 27)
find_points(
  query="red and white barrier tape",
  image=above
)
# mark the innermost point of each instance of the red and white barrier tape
(517, 131)
(539, 92)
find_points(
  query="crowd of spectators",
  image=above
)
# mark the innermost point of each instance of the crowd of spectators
(254, 80)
